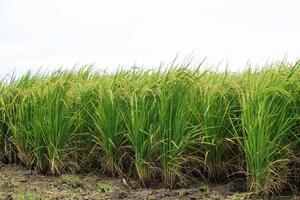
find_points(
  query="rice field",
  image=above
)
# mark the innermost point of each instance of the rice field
(166, 126)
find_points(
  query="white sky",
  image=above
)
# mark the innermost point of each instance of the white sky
(54, 33)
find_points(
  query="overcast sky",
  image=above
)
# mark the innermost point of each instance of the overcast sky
(109, 33)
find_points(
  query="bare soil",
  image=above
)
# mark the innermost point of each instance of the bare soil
(17, 182)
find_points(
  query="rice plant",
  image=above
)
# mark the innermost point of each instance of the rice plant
(266, 122)
(212, 104)
(2, 125)
(42, 128)
(175, 134)
(7, 147)
(142, 125)
(103, 106)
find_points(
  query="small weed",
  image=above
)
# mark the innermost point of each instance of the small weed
(5, 184)
(72, 181)
(204, 189)
(181, 194)
(103, 187)
(28, 195)
(149, 198)
(237, 196)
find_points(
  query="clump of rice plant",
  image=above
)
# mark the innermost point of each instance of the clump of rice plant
(7, 148)
(212, 104)
(141, 121)
(106, 126)
(2, 126)
(266, 122)
(175, 134)
(42, 126)
(56, 123)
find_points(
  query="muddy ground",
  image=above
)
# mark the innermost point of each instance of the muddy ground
(19, 183)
